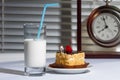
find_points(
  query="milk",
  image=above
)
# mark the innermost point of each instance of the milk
(35, 53)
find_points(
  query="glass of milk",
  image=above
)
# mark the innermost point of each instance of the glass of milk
(34, 49)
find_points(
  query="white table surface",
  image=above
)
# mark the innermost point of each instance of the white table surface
(102, 69)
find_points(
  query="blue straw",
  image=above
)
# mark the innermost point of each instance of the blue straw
(42, 18)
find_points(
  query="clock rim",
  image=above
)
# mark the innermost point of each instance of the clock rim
(93, 15)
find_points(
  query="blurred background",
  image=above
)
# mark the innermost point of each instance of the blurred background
(61, 23)
(14, 13)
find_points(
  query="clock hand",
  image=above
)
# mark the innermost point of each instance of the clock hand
(104, 21)
(106, 26)
(103, 28)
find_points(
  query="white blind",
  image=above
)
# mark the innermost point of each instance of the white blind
(18, 12)
(74, 24)
(0, 25)
(87, 7)
(61, 23)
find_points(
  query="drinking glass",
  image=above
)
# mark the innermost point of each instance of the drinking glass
(34, 49)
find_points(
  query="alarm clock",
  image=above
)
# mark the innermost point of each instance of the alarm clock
(103, 25)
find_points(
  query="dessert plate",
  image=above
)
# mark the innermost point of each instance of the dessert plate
(70, 71)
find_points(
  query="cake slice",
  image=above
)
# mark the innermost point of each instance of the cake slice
(64, 60)
(68, 59)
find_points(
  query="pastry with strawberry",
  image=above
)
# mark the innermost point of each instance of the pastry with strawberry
(66, 58)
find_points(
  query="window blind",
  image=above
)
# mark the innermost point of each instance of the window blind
(74, 24)
(18, 12)
(1, 25)
(61, 23)
(87, 7)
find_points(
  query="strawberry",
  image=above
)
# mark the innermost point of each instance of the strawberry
(68, 49)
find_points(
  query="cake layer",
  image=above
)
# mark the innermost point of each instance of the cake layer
(61, 66)
(63, 59)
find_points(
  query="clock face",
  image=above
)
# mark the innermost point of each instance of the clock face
(105, 27)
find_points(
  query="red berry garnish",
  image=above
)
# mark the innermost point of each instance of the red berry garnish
(68, 49)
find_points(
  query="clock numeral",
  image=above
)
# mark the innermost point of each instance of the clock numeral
(98, 27)
(107, 36)
(102, 35)
(106, 17)
(115, 30)
(98, 22)
(101, 18)
(116, 25)
(114, 21)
